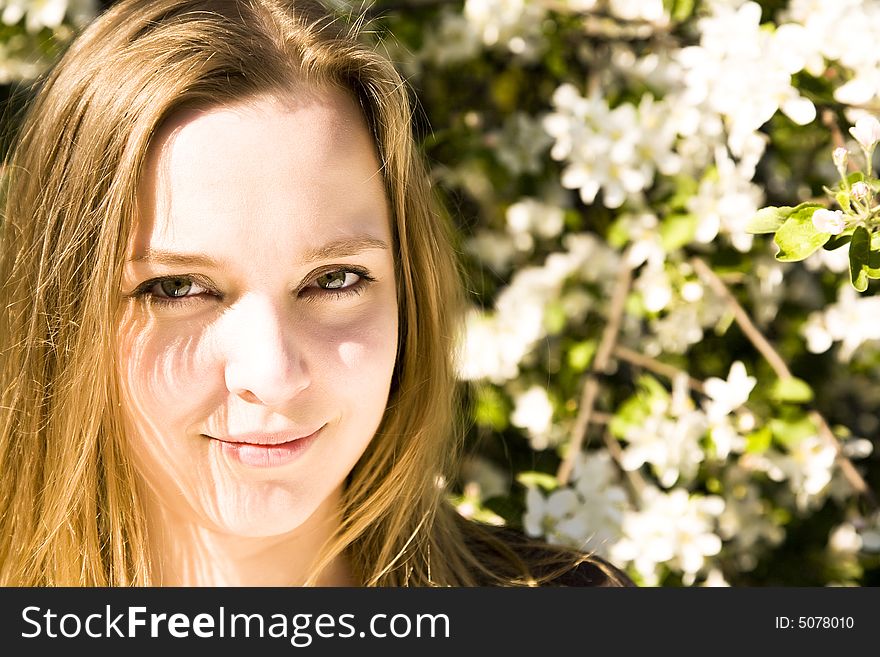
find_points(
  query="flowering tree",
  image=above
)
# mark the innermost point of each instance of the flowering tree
(665, 364)
(668, 215)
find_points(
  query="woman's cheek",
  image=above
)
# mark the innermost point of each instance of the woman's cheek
(364, 342)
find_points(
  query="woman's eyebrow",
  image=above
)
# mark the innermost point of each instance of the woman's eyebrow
(347, 246)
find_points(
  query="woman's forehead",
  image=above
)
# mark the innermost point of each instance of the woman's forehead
(330, 111)
(216, 175)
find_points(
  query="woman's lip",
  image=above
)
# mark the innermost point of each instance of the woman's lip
(267, 455)
(266, 439)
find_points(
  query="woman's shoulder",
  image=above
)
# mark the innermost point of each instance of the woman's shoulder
(553, 565)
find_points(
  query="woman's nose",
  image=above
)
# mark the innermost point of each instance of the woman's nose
(264, 363)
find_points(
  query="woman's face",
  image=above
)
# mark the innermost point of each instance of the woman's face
(259, 332)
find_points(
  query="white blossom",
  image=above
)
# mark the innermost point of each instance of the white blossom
(839, 156)
(493, 249)
(586, 515)
(642, 231)
(513, 24)
(453, 40)
(676, 331)
(615, 150)
(737, 59)
(715, 579)
(845, 539)
(726, 438)
(669, 443)
(533, 412)
(691, 291)
(860, 190)
(842, 31)
(836, 260)
(496, 342)
(829, 221)
(852, 321)
(673, 529)
(39, 14)
(521, 143)
(531, 216)
(807, 466)
(867, 132)
(723, 199)
(655, 287)
(725, 396)
(651, 11)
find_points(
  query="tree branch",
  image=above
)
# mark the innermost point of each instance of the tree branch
(600, 364)
(654, 365)
(837, 138)
(633, 477)
(742, 318)
(775, 360)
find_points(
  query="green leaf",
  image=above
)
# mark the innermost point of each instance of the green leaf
(859, 253)
(539, 479)
(680, 10)
(683, 10)
(854, 177)
(873, 268)
(637, 407)
(837, 241)
(842, 198)
(555, 318)
(790, 432)
(490, 408)
(792, 390)
(768, 220)
(618, 234)
(677, 230)
(581, 355)
(798, 238)
(759, 441)
(686, 187)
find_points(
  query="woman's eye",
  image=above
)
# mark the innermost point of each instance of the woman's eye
(337, 280)
(170, 288)
(338, 284)
(178, 287)
(175, 287)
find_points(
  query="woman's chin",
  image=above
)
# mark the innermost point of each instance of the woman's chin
(254, 519)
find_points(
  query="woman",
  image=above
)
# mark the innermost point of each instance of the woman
(231, 308)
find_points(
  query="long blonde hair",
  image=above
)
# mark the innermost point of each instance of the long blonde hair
(69, 502)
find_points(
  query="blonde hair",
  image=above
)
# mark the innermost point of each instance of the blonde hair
(69, 502)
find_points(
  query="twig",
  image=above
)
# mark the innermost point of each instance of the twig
(654, 365)
(633, 477)
(846, 466)
(600, 418)
(600, 364)
(742, 318)
(781, 369)
(830, 122)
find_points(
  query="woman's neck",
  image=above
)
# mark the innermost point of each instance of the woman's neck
(186, 553)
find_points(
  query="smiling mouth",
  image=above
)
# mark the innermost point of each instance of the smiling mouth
(260, 439)
(266, 450)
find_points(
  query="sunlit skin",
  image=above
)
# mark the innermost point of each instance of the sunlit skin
(276, 327)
